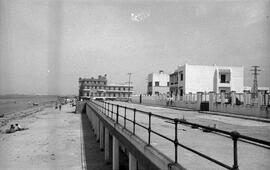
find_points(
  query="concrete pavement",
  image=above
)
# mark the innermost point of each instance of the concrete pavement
(211, 144)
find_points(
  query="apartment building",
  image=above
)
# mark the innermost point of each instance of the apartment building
(158, 83)
(98, 87)
(202, 78)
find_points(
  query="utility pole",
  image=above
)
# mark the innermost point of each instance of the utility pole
(129, 75)
(255, 71)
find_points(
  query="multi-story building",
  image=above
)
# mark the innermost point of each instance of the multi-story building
(98, 87)
(201, 78)
(158, 83)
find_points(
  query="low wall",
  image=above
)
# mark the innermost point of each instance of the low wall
(261, 111)
(189, 105)
(156, 101)
(246, 110)
(80, 107)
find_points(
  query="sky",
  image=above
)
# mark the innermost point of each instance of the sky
(46, 45)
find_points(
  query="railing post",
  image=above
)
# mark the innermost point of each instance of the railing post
(112, 112)
(149, 129)
(235, 135)
(108, 109)
(117, 113)
(176, 140)
(105, 108)
(125, 117)
(134, 121)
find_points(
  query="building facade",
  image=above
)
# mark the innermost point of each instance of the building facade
(202, 78)
(98, 87)
(158, 83)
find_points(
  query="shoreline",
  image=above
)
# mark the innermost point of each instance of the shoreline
(19, 115)
(24, 112)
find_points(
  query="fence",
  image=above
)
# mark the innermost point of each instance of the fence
(113, 111)
(234, 103)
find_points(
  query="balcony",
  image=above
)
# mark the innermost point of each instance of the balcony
(224, 84)
(228, 82)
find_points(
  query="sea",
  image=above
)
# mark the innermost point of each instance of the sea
(15, 103)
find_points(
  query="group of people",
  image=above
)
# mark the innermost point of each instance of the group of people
(13, 128)
(60, 106)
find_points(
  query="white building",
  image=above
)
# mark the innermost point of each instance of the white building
(98, 87)
(158, 83)
(201, 78)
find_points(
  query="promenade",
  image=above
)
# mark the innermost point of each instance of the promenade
(55, 140)
(214, 145)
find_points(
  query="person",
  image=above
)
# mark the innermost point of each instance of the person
(60, 107)
(17, 127)
(11, 129)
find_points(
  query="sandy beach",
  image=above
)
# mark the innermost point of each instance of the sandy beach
(53, 141)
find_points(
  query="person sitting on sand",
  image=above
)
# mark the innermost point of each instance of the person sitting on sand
(11, 129)
(18, 127)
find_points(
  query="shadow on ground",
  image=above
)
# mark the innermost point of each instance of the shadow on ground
(94, 157)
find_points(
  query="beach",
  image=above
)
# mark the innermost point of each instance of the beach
(51, 141)
(18, 106)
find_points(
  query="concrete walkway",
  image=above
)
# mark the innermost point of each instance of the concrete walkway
(55, 140)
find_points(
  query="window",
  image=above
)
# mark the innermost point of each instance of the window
(149, 84)
(156, 83)
(113, 94)
(88, 87)
(222, 78)
(181, 76)
(87, 94)
(168, 84)
(181, 92)
(124, 95)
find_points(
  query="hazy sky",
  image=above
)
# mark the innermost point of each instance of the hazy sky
(45, 46)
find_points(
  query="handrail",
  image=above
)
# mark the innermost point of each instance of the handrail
(234, 135)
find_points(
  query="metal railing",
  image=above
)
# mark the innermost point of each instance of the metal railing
(108, 109)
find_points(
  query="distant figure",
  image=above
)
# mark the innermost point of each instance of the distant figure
(11, 129)
(60, 107)
(17, 127)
